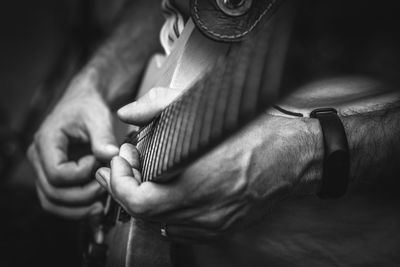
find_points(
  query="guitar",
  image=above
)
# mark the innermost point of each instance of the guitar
(223, 87)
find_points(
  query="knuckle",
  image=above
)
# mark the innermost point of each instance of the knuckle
(54, 177)
(154, 93)
(30, 153)
(46, 205)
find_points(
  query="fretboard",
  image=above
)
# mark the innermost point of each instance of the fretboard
(235, 91)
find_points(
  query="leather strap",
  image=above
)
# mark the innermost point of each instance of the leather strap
(336, 166)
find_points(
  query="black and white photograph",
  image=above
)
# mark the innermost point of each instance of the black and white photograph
(199, 133)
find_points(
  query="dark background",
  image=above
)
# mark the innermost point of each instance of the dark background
(44, 42)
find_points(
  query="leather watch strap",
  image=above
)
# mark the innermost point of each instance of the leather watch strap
(336, 165)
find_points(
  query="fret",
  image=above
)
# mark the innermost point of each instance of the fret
(145, 152)
(149, 152)
(159, 132)
(141, 145)
(182, 131)
(193, 113)
(175, 134)
(153, 148)
(169, 150)
(167, 130)
(143, 131)
(145, 157)
(166, 139)
(145, 140)
(175, 125)
(174, 109)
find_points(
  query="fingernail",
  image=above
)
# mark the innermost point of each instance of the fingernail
(122, 111)
(112, 149)
(100, 178)
(125, 109)
(125, 148)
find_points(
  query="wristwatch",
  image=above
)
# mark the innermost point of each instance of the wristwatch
(336, 164)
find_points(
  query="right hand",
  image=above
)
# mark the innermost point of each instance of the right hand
(65, 187)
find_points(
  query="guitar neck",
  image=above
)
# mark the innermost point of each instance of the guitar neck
(236, 90)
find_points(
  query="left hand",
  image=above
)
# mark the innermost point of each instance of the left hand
(230, 187)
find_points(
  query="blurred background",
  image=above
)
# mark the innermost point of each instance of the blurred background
(44, 42)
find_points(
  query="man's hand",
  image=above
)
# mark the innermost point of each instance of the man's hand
(66, 187)
(232, 186)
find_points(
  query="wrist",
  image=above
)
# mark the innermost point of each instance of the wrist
(104, 79)
(84, 85)
(111, 78)
(310, 156)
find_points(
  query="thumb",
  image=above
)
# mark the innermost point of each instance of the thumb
(103, 142)
(148, 106)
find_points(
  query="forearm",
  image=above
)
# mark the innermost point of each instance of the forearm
(373, 134)
(116, 67)
(374, 140)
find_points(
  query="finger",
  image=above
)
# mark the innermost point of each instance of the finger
(130, 154)
(141, 199)
(103, 177)
(68, 212)
(51, 151)
(104, 144)
(120, 181)
(79, 195)
(148, 106)
(122, 176)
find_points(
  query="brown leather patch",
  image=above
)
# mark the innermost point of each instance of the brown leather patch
(216, 24)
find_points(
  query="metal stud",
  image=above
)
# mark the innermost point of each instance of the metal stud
(234, 7)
